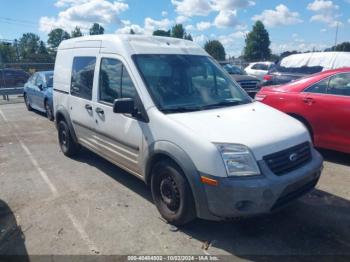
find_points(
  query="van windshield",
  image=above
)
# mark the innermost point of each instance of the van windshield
(183, 83)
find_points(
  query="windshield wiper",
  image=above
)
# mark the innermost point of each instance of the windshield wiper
(192, 109)
(223, 104)
(180, 109)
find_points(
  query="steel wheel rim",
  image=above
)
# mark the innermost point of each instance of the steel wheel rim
(169, 193)
(63, 138)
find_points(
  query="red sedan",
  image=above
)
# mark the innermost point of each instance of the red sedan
(321, 102)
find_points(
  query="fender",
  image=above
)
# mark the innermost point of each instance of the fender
(183, 160)
(62, 113)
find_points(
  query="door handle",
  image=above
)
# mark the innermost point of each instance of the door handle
(99, 111)
(308, 100)
(88, 107)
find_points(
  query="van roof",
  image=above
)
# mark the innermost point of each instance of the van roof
(134, 44)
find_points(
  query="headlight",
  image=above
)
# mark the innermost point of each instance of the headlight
(238, 160)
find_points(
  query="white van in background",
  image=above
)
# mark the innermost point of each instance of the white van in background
(164, 110)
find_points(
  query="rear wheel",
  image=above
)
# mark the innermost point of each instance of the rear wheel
(26, 101)
(68, 146)
(48, 110)
(172, 194)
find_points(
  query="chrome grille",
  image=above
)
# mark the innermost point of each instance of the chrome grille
(248, 84)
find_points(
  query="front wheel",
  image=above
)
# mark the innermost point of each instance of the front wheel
(49, 112)
(26, 101)
(68, 146)
(172, 194)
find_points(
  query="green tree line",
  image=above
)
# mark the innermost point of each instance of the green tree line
(29, 48)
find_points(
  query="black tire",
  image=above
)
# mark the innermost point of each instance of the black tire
(27, 103)
(68, 146)
(172, 194)
(48, 110)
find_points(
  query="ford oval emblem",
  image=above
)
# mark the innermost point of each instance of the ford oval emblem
(293, 157)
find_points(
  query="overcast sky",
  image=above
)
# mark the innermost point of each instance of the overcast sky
(292, 24)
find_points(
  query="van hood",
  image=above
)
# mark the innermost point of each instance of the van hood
(260, 127)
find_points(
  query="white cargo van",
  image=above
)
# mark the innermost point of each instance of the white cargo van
(165, 111)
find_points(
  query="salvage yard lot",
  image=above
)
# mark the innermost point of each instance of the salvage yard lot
(89, 206)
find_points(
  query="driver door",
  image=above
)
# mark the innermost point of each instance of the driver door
(119, 135)
(338, 94)
(38, 92)
(326, 106)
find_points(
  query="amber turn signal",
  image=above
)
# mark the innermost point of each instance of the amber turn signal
(209, 181)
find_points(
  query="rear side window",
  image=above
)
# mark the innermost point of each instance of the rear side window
(339, 85)
(115, 81)
(83, 77)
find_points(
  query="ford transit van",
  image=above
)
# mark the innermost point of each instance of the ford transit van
(163, 110)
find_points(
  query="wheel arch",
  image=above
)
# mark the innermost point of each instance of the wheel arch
(305, 122)
(166, 150)
(61, 114)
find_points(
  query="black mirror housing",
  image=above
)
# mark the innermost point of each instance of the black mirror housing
(41, 87)
(124, 106)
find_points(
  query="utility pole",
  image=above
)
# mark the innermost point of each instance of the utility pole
(17, 52)
(336, 36)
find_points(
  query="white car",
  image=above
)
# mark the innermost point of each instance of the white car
(162, 109)
(258, 69)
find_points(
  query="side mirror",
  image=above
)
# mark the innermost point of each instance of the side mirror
(124, 106)
(40, 86)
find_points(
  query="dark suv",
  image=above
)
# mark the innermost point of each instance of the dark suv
(250, 84)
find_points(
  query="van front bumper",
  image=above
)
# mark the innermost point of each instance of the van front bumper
(249, 196)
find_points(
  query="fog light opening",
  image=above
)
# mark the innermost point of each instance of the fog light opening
(244, 205)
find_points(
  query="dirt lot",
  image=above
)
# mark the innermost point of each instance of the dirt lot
(50, 204)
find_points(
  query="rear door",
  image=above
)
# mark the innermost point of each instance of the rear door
(119, 136)
(80, 100)
(338, 94)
